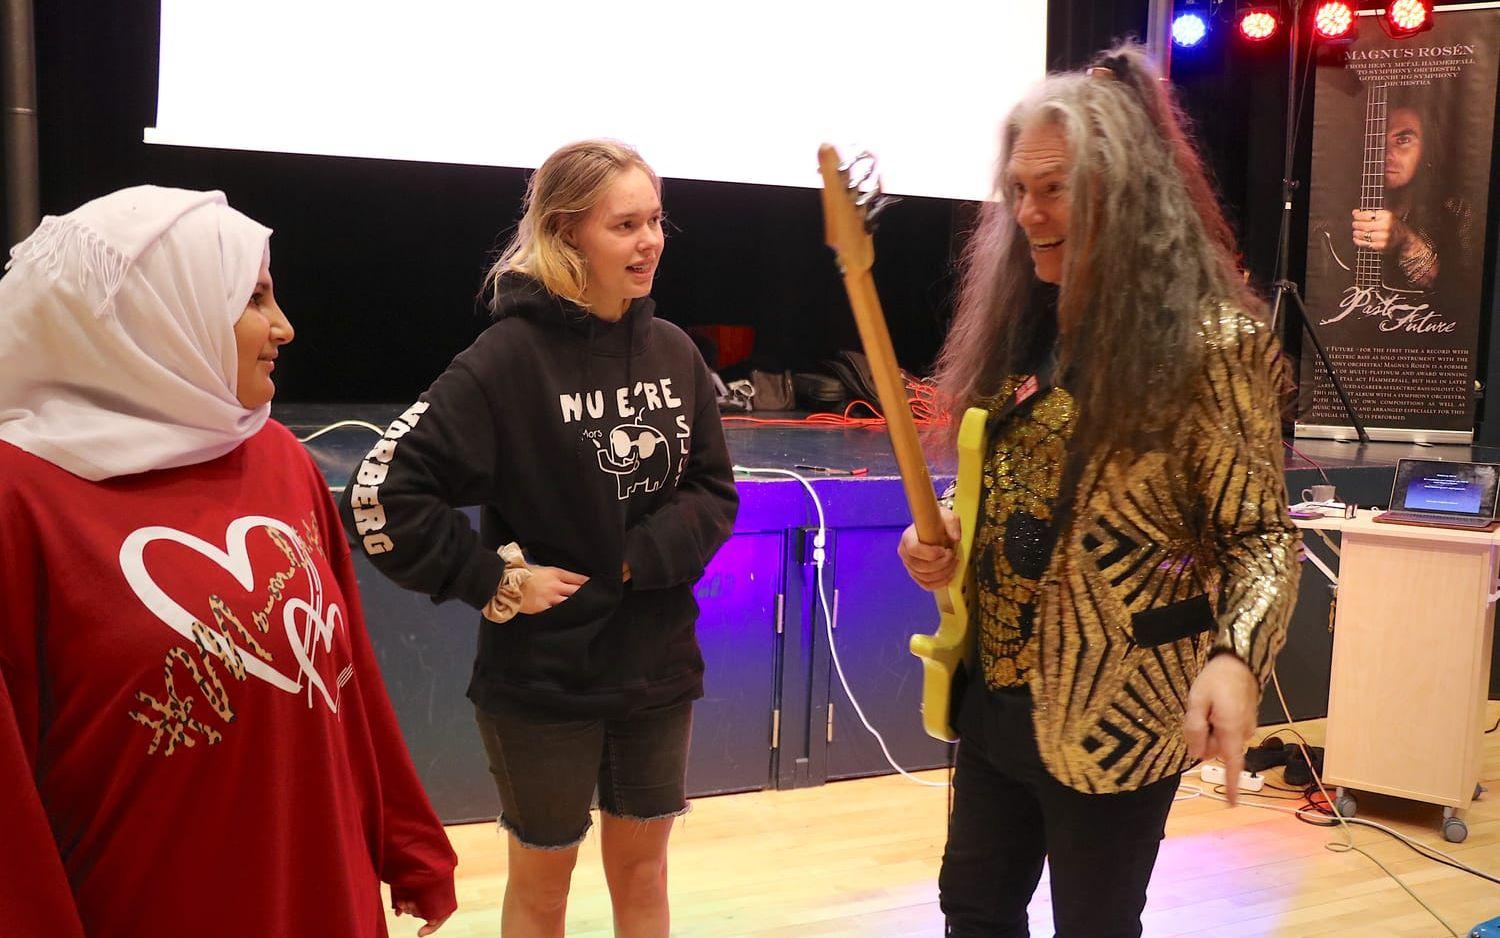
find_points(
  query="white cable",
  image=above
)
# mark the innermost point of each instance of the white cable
(380, 431)
(1421, 847)
(819, 555)
(1348, 844)
(1425, 850)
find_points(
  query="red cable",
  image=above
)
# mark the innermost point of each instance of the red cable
(923, 403)
(1301, 455)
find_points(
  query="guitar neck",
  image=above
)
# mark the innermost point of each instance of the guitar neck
(847, 230)
(891, 389)
(1372, 182)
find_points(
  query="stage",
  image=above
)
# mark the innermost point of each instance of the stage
(775, 714)
(1362, 472)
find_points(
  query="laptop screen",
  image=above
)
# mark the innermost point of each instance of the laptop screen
(1462, 489)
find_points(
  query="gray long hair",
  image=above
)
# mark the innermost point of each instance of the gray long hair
(1150, 253)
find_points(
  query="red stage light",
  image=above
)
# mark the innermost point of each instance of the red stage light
(1408, 16)
(1334, 19)
(1257, 24)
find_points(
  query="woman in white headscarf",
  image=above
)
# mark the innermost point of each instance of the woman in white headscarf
(194, 735)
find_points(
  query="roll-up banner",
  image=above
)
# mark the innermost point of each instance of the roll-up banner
(1401, 158)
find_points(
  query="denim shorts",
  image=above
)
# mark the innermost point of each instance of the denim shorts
(547, 771)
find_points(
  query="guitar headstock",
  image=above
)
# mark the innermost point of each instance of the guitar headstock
(852, 199)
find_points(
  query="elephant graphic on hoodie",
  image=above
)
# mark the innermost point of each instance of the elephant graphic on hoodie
(638, 456)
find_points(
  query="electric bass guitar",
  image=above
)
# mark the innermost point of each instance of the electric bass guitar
(849, 208)
(1369, 288)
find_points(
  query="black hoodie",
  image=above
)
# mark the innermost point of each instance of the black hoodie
(589, 444)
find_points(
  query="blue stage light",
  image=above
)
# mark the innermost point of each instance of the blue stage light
(1188, 29)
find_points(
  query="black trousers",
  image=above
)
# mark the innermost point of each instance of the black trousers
(1009, 814)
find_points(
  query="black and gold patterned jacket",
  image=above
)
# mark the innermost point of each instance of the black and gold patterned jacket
(1171, 554)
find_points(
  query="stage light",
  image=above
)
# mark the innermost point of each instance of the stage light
(1334, 19)
(1188, 29)
(1258, 23)
(1408, 17)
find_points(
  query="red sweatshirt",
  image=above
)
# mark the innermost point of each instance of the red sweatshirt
(194, 735)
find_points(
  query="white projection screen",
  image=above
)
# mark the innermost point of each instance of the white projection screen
(706, 89)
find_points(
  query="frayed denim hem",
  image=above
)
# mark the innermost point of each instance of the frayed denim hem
(655, 817)
(503, 825)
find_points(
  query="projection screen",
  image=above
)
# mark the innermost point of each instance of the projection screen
(736, 92)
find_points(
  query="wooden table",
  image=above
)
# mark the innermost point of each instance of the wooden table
(1411, 661)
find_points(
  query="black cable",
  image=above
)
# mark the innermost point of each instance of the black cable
(1334, 820)
(1302, 92)
(1417, 847)
(1419, 851)
(1310, 803)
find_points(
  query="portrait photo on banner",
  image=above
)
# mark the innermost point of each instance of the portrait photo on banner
(1402, 149)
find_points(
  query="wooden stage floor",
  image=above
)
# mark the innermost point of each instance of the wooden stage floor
(859, 859)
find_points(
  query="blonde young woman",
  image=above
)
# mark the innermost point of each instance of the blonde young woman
(588, 433)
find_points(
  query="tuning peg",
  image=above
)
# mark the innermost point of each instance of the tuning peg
(861, 173)
(860, 170)
(878, 204)
(874, 201)
(860, 157)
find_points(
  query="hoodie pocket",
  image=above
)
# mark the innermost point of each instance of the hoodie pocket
(551, 648)
(1173, 622)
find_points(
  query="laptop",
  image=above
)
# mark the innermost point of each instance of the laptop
(1444, 494)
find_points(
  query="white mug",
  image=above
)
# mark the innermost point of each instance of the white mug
(1319, 493)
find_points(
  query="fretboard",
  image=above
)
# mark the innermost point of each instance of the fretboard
(1372, 182)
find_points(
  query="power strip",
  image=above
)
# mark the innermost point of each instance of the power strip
(1213, 774)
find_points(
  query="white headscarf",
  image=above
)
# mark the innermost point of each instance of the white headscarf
(117, 349)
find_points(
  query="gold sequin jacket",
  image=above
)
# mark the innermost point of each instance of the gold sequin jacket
(1169, 555)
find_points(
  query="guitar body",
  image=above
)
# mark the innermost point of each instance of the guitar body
(944, 652)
